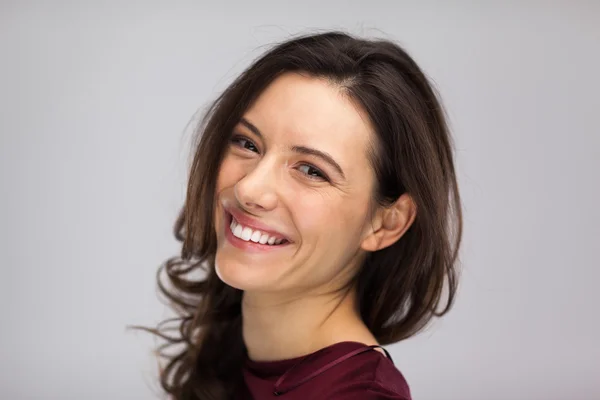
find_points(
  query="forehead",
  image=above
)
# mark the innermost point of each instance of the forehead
(300, 110)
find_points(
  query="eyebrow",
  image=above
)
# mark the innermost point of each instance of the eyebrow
(300, 149)
(250, 126)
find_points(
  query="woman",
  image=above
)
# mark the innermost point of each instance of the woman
(323, 213)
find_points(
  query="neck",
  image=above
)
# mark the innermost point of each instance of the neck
(276, 328)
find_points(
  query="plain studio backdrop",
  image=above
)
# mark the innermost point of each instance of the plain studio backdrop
(95, 100)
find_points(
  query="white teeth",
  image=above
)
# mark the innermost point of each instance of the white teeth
(247, 234)
(255, 236)
(264, 238)
(237, 232)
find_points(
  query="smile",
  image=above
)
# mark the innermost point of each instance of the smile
(251, 235)
(248, 234)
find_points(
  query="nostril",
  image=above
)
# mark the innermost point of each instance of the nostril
(254, 206)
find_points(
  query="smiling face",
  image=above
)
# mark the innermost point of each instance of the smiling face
(294, 190)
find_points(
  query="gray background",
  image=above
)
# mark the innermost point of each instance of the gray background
(95, 100)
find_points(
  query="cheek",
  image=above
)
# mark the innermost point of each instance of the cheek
(227, 177)
(230, 172)
(331, 219)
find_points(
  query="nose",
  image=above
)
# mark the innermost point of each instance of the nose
(256, 191)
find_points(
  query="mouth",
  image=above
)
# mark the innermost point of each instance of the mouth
(242, 235)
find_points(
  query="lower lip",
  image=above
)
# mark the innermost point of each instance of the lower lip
(250, 245)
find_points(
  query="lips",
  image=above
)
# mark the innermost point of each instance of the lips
(249, 230)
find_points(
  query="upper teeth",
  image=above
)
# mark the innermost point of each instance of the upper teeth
(248, 234)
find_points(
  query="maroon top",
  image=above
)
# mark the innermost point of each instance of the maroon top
(342, 371)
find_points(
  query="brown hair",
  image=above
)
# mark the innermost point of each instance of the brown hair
(399, 288)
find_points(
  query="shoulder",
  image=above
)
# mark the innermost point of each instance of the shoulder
(375, 377)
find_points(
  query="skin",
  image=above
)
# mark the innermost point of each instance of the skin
(293, 302)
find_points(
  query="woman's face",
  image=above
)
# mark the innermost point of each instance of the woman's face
(294, 190)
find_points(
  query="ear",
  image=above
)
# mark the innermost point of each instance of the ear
(390, 223)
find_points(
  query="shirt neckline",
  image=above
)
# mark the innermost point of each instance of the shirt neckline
(278, 367)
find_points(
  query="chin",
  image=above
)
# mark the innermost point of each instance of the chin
(241, 275)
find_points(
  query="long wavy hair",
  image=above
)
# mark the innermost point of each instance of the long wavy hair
(398, 289)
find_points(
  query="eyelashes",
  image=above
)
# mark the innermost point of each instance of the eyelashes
(312, 172)
(307, 170)
(244, 143)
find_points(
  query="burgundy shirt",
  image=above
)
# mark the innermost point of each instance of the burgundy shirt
(342, 371)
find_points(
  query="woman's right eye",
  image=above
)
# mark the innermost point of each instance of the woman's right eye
(244, 143)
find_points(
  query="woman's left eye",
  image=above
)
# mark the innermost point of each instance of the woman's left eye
(312, 172)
